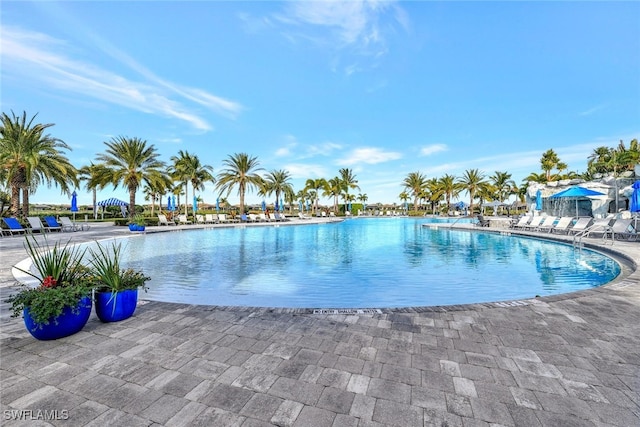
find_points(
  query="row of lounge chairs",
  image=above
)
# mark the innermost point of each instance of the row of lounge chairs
(221, 219)
(37, 226)
(622, 229)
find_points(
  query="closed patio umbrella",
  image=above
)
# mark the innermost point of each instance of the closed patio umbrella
(74, 204)
(538, 200)
(634, 205)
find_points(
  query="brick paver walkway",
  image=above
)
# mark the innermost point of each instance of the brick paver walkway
(558, 361)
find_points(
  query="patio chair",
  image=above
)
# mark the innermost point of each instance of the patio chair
(253, 218)
(182, 219)
(163, 220)
(14, 226)
(534, 224)
(562, 226)
(68, 225)
(52, 223)
(547, 224)
(524, 220)
(622, 229)
(482, 222)
(580, 225)
(35, 224)
(222, 219)
(303, 216)
(210, 218)
(199, 219)
(281, 217)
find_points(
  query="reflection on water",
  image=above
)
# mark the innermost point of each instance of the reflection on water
(373, 262)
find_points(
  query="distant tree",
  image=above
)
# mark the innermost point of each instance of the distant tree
(349, 181)
(278, 182)
(415, 183)
(472, 180)
(187, 168)
(94, 179)
(130, 162)
(434, 192)
(450, 188)
(241, 171)
(29, 158)
(549, 161)
(334, 189)
(539, 178)
(316, 185)
(503, 185)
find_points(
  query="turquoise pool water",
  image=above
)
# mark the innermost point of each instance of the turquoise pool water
(359, 263)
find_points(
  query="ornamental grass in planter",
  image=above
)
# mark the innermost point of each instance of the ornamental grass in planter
(61, 304)
(116, 288)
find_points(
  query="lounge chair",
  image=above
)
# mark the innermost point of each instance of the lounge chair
(199, 219)
(244, 218)
(303, 216)
(562, 226)
(263, 217)
(68, 225)
(210, 218)
(623, 230)
(52, 224)
(35, 224)
(162, 220)
(281, 217)
(482, 222)
(580, 225)
(547, 224)
(182, 219)
(253, 218)
(14, 226)
(272, 217)
(535, 223)
(222, 218)
(524, 220)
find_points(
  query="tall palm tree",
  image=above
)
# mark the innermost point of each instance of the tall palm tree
(334, 189)
(241, 170)
(549, 161)
(415, 182)
(94, 179)
(503, 184)
(187, 168)
(130, 162)
(450, 188)
(472, 180)
(434, 192)
(29, 158)
(278, 182)
(316, 185)
(348, 179)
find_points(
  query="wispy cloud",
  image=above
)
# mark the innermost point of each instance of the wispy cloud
(306, 170)
(368, 155)
(433, 149)
(358, 27)
(592, 110)
(45, 61)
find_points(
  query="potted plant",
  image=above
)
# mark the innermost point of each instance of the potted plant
(116, 288)
(61, 303)
(138, 223)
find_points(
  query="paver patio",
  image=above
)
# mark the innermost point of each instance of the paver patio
(571, 360)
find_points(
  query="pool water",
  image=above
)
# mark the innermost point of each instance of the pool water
(358, 263)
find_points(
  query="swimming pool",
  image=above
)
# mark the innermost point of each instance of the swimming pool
(358, 263)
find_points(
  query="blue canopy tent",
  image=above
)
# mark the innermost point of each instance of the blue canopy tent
(576, 193)
(114, 202)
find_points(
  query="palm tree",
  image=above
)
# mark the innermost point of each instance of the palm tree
(434, 192)
(349, 180)
(549, 161)
(187, 168)
(29, 157)
(450, 188)
(472, 180)
(240, 171)
(599, 159)
(503, 184)
(362, 198)
(334, 189)
(277, 181)
(94, 177)
(539, 178)
(130, 162)
(415, 182)
(316, 185)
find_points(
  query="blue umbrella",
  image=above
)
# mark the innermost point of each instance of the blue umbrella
(576, 193)
(275, 206)
(74, 204)
(308, 206)
(635, 197)
(169, 206)
(281, 205)
(217, 204)
(195, 203)
(264, 206)
(300, 205)
(173, 203)
(538, 200)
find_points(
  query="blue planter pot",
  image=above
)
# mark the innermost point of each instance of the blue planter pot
(133, 227)
(68, 323)
(113, 307)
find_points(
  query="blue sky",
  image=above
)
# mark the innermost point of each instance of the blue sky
(382, 87)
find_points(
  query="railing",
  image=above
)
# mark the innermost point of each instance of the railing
(605, 229)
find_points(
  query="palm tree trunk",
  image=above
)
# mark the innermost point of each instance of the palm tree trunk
(95, 204)
(25, 202)
(132, 202)
(15, 197)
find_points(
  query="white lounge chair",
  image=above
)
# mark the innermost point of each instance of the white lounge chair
(623, 229)
(36, 224)
(68, 225)
(253, 218)
(210, 218)
(562, 226)
(162, 220)
(580, 225)
(303, 216)
(199, 219)
(535, 223)
(547, 224)
(222, 219)
(182, 219)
